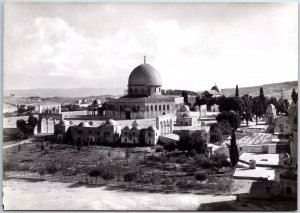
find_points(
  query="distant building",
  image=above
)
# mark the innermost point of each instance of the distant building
(213, 92)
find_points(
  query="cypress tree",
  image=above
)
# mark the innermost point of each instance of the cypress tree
(294, 96)
(234, 153)
(237, 91)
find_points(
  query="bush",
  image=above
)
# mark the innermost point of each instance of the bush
(200, 176)
(130, 176)
(220, 159)
(51, 169)
(203, 161)
(183, 184)
(107, 175)
(159, 149)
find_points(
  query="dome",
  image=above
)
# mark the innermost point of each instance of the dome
(84, 124)
(184, 108)
(216, 88)
(110, 122)
(96, 102)
(127, 128)
(64, 123)
(152, 128)
(144, 75)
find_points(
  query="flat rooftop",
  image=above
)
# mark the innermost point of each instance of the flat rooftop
(266, 173)
(265, 160)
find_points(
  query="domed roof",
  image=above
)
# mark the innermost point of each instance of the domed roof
(152, 128)
(64, 123)
(84, 124)
(110, 122)
(127, 127)
(144, 74)
(184, 108)
(216, 88)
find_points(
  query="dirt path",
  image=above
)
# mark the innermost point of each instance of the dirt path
(16, 144)
(24, 195)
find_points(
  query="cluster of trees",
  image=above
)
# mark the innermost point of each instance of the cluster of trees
(191, 142)
(27, 127)
(70, 107)
(177, 92)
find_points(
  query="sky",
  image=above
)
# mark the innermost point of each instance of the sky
(192, 45)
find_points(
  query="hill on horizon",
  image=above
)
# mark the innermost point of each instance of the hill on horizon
(273, 89)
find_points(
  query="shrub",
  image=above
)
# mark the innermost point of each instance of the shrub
(203, 161)
(51, 168)
(159, 149)
(219, 159)
(183, 184)
(200, 176)
(129, 177)
(107, 175)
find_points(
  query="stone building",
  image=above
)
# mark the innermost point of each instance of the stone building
(214, 108)
(136, 135)
(185, 118)
(143, 97)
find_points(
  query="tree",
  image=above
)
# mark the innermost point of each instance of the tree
(247, 107)
(192, 140)
(32, 121)
(257, 108)
(129, 177)
(170, 147)
(263, 99)
(237, 91)
(21, 108)
(233, 149)
(200, 176)
(231, 117)
(107, 175)
(21, 124)
(294, 96)
(184, 94)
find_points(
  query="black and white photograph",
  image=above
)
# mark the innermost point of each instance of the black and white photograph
(150, 106)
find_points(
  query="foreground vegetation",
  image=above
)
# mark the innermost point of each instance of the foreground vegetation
(145, 169)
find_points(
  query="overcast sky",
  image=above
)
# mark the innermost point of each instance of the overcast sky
(192, 45)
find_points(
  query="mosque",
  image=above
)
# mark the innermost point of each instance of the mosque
(143, 98)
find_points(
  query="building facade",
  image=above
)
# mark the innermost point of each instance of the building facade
(143, 97)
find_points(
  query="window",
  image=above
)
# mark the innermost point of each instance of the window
(186, 123)
(90, 132)
(151, 107)
(159, 107)
(125, 140)
(155, 107)
(133, 133)
(108, 133)
(149, 134)
(87, 139)
(164, 107)
(125, 133)
(133, 140)
(168, 107)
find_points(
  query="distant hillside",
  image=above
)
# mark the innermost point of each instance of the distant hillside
(269, 90)
(71, 93)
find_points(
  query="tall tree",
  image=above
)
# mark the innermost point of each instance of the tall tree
(237, 91)
(257, 108)
(185, 96)
(294, 96)
(247, 107)
(263, 100)
(234, 153)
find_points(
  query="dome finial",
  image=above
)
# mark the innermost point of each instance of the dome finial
(144, 59)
